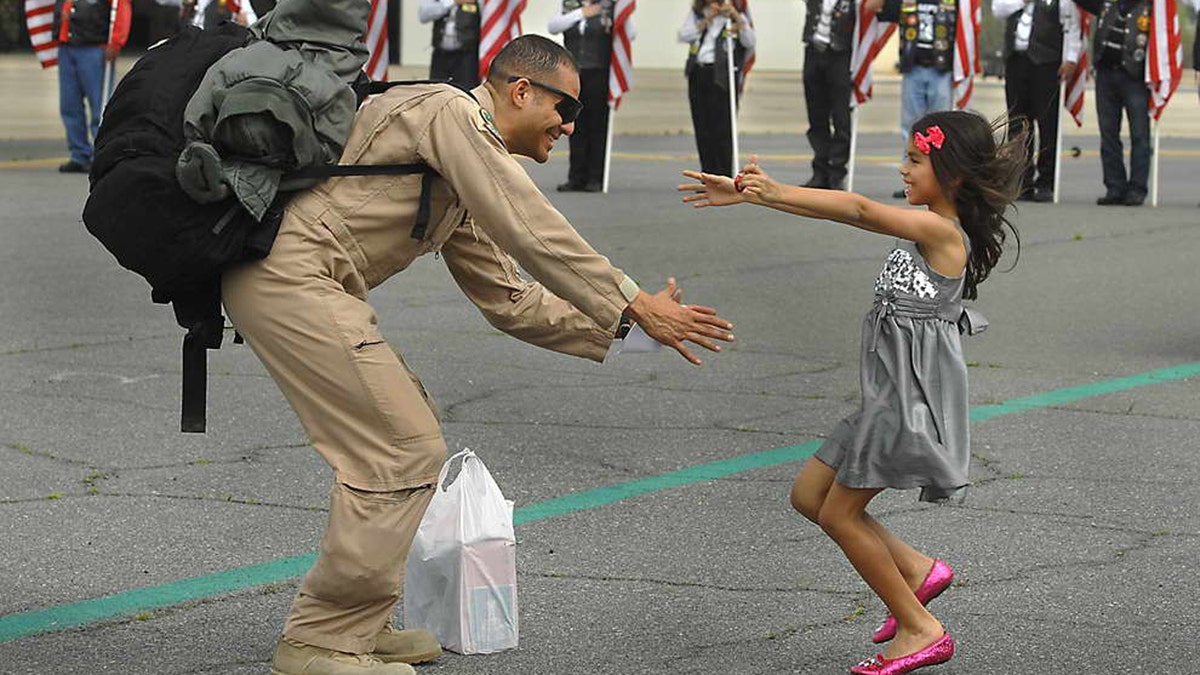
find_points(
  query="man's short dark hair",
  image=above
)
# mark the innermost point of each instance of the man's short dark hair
(530, 56)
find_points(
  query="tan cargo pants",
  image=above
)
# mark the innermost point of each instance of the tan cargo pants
(303, 310)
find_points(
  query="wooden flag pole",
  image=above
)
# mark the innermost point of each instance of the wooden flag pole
(733, 129)
(110, 72)
(1058, 143)
(1154, 169)
(853, 147)
(608, 138)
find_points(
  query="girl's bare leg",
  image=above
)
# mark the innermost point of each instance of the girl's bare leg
(808, 496)
(843, 517)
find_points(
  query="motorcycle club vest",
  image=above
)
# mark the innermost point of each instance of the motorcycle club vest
(591, 48)
(927, 34)
(841, 25)
(721, 60)
(88, 23)
(1124, 34)
(466, 26)
(1045, 34)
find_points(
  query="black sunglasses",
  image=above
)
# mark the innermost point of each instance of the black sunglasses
(568, 106)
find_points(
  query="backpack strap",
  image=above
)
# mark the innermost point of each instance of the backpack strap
(423, 205)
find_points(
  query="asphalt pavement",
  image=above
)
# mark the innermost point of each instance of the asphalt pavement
(654, 532)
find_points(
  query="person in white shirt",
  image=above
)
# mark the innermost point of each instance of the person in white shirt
(586, 26)
(1041, 48)
(455, 40)
(708, 80)
(829, 42)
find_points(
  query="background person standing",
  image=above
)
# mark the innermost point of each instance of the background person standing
(586, 26)
(708, 79)
(829, 40)
(927, 29)
(1041, 48)
(1119, 52)
(455, 40)
(85, 45)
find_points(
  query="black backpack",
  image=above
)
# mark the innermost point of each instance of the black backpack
(138, 211)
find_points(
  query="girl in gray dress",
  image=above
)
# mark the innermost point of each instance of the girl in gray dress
(911, 429)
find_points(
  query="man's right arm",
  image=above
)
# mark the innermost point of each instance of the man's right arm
(432, 10)
(561, 22)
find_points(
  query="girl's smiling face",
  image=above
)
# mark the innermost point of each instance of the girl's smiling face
(921, 185)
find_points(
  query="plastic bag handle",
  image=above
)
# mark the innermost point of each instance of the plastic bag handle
(465, 454)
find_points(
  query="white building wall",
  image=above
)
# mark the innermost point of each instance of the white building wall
(778, 23)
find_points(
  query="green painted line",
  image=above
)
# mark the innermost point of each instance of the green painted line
(130, 603)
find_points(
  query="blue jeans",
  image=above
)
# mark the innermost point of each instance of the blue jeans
(922, 90)
(80, 78)
(1117, 91)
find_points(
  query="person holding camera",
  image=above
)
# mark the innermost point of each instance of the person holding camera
(707, 25)
(586, 27)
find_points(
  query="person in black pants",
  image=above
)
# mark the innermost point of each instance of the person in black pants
(1119, 50)
(708, 79)
(586, 26)
(828, 36)
(1041, 47)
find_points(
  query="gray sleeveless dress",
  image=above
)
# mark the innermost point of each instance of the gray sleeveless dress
(912, 428)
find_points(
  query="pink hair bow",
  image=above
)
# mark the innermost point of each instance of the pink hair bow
(932, 138)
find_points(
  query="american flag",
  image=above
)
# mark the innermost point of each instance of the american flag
(1164, 57)
(870, 35)
(501, 24)
(1077, 83)
(377, 41)
(966, 51)
(620, 73)
(39, 17)
(743, 6)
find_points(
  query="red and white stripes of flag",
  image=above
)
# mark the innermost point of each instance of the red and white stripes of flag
(501, 21)
(39, 18)
(620, 72)
(377, 41)
(1164, 57)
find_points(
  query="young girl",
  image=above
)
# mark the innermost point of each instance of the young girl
(911, 429)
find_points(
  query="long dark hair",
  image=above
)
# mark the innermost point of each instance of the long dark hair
(990, 174)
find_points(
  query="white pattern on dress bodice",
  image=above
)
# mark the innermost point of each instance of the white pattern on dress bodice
(901, 274)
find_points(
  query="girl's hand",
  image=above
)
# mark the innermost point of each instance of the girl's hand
(712, 190)
(758, 186)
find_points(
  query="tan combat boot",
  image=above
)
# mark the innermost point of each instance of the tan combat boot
(406, 646)
(296, 658)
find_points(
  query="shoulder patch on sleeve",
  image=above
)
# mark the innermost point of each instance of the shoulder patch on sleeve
(486, 122)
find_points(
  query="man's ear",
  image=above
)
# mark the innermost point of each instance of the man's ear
(519, 93)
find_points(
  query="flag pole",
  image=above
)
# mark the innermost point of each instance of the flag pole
(733, 130)
(110, 72)
(853, 147)
(608, 136)
(1154, 169)
(1058, 142)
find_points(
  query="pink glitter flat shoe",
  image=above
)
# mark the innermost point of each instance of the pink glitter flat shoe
(940, 651)
(938, 580)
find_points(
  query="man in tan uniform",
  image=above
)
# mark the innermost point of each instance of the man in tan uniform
(304, 311)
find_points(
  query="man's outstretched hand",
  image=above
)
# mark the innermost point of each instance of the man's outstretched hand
(671, 323)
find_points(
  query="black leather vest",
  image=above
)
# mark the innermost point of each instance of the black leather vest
(1132, 41)
(1045, 34)
(720, 61)
(466, 26)
(593, 47)
(926, 33)
(88, 23)
(841, 24)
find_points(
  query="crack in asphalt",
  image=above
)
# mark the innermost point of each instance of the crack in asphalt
(675, 583)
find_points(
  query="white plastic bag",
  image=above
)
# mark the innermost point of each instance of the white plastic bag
(461, 582)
